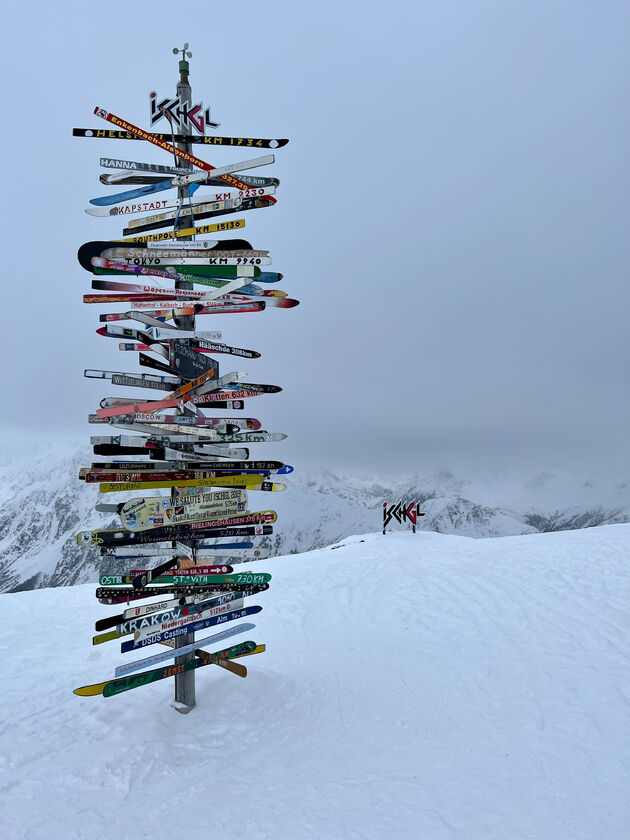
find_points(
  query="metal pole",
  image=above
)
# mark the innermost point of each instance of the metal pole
(184, 683)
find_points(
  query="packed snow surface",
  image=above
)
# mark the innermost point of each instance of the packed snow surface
(415, 687)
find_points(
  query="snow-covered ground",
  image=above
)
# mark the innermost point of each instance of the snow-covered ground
(421, 687)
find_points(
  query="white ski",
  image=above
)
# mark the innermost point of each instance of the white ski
(212, 306)
(221, 382)
(146, 632)
(165, 333)
(141, 440)
(205, 552)
(186, 550)
(254, 437)
(202, 455)
(174, 419)
(108, 374)
(163, 259)
(157, 658)
(152, 316)
(134, 166)
(197, 245)
(168, 252)
(175, 433)
(160, 606)
(190, 434)
(140, 206)
(191, 295)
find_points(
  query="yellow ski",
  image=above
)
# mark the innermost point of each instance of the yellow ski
(248, 481)
(193, 231)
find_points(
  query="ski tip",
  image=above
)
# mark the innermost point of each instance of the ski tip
(139, 582)
(89, 690)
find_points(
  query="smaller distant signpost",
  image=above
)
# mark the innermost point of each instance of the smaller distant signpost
(404, 513)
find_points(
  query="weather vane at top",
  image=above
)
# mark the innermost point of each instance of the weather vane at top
(185, 53)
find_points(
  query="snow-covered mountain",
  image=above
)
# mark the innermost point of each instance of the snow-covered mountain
(425, 687)
(43, 506)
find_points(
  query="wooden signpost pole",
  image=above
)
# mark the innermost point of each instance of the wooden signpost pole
(184, 700)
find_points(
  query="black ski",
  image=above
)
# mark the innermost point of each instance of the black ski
(188, 466)
(243, 142)
(157, 453)
(176, 532)
(232, 595)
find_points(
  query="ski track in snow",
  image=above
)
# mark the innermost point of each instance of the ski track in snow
(414, 686)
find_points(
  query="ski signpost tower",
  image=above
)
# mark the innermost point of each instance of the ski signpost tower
(186, 447)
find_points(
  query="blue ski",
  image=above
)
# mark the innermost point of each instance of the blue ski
(188, 628)
(130, 195)
(269, 277)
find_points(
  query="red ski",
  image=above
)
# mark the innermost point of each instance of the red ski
(211, 308)
(157, 405)
(145, 135)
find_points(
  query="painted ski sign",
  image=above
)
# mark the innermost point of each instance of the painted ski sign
(401, 512)
(145, 135)
(184, 115)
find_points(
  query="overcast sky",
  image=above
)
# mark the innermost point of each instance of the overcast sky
(453, 217)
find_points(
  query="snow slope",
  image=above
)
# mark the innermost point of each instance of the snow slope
(425, 687)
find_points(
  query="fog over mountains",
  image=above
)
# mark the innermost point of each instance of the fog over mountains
(44, 505)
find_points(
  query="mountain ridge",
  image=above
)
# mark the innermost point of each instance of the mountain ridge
(43, 506)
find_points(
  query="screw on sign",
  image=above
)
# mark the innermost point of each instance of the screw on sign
(401, 512)
(187, 465)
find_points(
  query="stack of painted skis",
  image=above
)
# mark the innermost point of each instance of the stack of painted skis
(181, 538)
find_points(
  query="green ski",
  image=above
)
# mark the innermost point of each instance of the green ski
(108, 689)
(240, 578)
